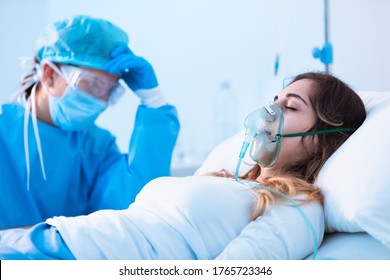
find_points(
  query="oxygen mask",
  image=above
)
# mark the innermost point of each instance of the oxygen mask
(264, 133)
(263, 130)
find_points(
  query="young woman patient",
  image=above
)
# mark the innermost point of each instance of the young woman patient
(217, 216)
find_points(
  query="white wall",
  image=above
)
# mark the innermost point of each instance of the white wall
(195, 45)
(361, 38)
(20, 23)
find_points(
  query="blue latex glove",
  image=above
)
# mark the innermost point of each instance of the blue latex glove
(137, 73)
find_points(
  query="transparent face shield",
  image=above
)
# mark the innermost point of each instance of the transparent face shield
(95, 84)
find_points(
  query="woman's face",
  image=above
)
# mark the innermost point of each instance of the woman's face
(299, 116)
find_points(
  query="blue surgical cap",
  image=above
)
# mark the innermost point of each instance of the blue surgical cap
(81, 41)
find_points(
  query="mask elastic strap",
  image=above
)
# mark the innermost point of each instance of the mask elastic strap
(30, 104)
(25, 138)
(36, 132)
(278, 136)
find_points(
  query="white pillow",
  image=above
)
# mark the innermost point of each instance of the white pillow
(225, 156)
(355, 180)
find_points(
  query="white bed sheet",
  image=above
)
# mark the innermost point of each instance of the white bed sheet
(352, 246)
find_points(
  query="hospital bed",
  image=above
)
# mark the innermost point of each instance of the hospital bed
(355, 182)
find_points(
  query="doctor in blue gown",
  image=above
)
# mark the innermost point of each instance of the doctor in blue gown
(53, 159)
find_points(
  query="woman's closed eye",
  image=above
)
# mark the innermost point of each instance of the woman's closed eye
(290, 108)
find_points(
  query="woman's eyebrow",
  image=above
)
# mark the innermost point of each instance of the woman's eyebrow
(296, 96)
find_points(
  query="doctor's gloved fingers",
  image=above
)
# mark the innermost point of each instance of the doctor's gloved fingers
(135, 71)
(137, 80)
(120, 64)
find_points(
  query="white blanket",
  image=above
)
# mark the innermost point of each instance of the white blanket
(195, 217)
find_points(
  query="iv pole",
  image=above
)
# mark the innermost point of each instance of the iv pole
(326, 53)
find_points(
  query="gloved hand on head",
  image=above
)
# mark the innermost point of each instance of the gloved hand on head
(137, 73)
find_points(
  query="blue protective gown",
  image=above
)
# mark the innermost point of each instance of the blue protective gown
(85, 171)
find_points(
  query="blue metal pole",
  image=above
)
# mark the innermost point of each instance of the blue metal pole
(326, 53)
(327, 43)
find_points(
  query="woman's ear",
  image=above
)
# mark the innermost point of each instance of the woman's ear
(52, 81)
(48, 75)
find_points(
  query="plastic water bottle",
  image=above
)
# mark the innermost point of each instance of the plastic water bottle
(225, 113)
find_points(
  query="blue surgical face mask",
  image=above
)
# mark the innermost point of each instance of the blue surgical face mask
(76, 109)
